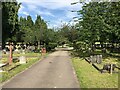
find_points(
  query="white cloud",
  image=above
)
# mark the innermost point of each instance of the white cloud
(51, 4)
(42, 12)
(45, 13)
(31, 6)
(34, 8)
(25, 13)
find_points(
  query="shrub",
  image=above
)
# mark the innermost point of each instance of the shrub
(51, 46)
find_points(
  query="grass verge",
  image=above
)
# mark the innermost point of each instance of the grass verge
(89, 77)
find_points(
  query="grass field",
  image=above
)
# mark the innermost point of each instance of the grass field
(7, 75)
(19, 54)
(5, 57)
(89, 77)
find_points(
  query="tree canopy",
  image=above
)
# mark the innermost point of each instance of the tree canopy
(9, 21)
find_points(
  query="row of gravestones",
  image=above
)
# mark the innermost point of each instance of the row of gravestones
(95, 59)
(106, 45)
(108, 67)
(98, 59)
(18, 49)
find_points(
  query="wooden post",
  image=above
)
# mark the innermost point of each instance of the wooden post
(10, 55)
(111, 68)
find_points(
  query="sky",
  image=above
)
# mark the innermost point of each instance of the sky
(54, 12)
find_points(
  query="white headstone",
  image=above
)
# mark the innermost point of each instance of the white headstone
(17, 51)
(22, 59)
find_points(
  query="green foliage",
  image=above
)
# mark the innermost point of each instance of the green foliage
(24, 29)
(82, 46)
(51, 46)
(9, 21)
(36, 33)
(67, 35)
(98, 22)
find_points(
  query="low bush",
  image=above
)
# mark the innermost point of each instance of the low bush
(51, 46)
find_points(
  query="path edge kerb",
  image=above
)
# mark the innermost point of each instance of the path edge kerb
(74, 71)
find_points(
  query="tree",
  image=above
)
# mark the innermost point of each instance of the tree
(99, 22)
(36, 33)
(40, 29)
(9, 21)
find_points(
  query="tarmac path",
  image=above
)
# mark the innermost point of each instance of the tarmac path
(55, 71)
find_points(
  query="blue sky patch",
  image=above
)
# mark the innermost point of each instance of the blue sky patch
(52, 11)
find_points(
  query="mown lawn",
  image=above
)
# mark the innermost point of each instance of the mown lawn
(89, 77)
(7, 75)
(5, 57)
(19, 54)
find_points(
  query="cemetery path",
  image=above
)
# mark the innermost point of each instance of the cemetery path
(55, 71)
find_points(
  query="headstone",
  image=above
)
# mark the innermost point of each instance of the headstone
(22, 59)
(99, 59)
(93, 59)
(17, 51)
(30, 48)
(106, 67)
(4, 51)
(109, 67)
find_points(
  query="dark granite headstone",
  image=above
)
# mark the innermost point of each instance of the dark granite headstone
(108, 67)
